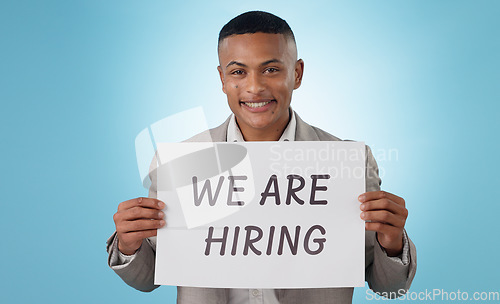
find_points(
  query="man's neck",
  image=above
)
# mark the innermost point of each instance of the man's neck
(272, 133)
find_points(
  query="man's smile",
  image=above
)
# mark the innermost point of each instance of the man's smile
(257, 105)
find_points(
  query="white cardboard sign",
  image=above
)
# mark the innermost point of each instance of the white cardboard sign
(261, 214)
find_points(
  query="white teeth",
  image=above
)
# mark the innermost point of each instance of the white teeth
(256, 104)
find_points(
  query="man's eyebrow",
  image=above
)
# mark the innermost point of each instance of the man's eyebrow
(271, 61)
(262, 64)
(236, 63)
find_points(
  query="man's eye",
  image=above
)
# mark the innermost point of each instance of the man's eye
(271, 70)
(237, 72)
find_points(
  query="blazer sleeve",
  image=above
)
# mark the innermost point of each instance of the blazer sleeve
(139, 271)
(385, 275)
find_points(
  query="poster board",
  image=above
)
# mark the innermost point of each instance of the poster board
(261, 214)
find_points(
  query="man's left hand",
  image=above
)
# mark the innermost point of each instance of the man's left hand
(387, 215)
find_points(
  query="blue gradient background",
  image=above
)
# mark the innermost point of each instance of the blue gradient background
(80, 79)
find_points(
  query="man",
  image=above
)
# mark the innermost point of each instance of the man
(259, 70)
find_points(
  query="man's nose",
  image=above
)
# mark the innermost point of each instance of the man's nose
(255, 84)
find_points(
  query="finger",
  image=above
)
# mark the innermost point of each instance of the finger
(139, 225)
(374, 195)
(384, 204)
(383, 228)
(146, 202)
(384, 217)
(136, 213)
(134, 236)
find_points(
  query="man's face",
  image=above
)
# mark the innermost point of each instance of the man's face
(259, 73)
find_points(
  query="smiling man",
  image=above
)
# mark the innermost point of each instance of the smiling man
(259, 70)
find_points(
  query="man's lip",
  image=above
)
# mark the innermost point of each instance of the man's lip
(258, 105)
(256, 100)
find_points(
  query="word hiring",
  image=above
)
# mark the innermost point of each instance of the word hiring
(271, 191)
(254, 234)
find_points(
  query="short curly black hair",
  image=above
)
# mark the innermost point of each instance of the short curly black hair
(256, 22)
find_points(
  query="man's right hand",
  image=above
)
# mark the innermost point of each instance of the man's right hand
(135, 220)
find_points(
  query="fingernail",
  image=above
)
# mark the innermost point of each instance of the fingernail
(361, 198)
(362, 206)
(161, 205)
(162, 223)
(160, 214)
(362, 215)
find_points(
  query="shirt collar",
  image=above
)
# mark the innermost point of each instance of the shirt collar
(234, 132)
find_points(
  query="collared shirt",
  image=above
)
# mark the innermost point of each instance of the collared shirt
(268, 296)
(256, 296)
(234, 132)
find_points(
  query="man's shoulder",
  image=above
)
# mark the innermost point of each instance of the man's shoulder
(217, 134)
(325, 136)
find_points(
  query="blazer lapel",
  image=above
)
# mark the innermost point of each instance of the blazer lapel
(303, 131)
(219, 134)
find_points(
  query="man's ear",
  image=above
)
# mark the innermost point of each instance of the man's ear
(299, 71)
(221, 75)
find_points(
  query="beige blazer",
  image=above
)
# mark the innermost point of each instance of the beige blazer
(383, 274)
